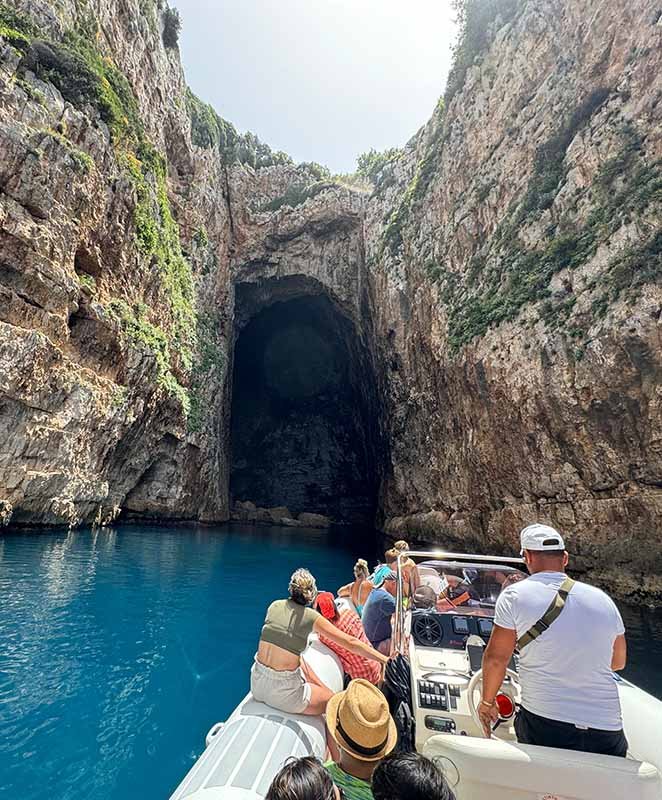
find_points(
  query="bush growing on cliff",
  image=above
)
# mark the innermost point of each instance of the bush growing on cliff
(392, 237)
(157, 237)
(296, 194)
(474, 19)
(172, 25)
(15, 28)
(85, 78)
(208, 130)
(141, 333)
(370, 164)
(318, 171)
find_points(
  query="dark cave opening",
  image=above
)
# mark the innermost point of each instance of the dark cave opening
(304, 426)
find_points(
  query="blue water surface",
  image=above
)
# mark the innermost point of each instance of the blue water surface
(120, 648)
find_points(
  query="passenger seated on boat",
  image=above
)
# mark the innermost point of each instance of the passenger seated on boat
(360, 588)
(347, 621)
(569, 695)
(303, 779)
(424, 598)
(359, 722)
(277, 678)
(409, 776)
(410, 574)
(458, 591)
(379, 610)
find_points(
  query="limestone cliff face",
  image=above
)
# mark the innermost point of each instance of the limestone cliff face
(527, 259)
(500, 285)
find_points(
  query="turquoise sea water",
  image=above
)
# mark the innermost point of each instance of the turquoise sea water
(120, 648)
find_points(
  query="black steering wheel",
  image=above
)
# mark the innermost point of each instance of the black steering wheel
(427, 630)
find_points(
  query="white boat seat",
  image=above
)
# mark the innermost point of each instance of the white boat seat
(245, 754)
(499, 770)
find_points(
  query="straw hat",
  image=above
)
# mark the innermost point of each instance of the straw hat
(359, 721)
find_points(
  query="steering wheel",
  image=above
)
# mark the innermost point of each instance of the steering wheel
(476, 684)
(427, 630)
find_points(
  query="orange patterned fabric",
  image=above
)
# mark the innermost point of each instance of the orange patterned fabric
(355, 666)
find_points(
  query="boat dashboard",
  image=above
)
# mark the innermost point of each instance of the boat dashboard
(447, 620)
(448, 630)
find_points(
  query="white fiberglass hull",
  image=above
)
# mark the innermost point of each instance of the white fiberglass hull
(243, 754)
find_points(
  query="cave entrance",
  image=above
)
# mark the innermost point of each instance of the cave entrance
(304, 413)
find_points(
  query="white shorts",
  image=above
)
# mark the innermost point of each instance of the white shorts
(284, 690)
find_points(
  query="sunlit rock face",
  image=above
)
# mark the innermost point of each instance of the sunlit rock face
(474, 344)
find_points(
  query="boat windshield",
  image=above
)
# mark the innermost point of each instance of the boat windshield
(456, 587)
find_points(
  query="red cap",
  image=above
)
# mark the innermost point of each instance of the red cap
(326, 606)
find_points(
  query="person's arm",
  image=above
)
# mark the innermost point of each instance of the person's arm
(325, 628)
(497, 654)
(619, 655)
(345, 591)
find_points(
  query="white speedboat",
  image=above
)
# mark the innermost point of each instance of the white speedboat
(443, 644)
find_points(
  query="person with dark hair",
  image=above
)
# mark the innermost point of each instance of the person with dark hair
(409, 776)
(347, 621)
(425, 597)
(277, 678)
(303, 779)
(570, 638)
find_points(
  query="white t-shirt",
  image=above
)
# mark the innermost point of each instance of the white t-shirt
(565, 673)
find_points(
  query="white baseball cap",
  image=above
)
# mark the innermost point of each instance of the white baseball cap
(540, 537)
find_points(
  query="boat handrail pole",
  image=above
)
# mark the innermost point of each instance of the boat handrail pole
(443, 554)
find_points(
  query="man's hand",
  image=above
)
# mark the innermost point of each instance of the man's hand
(488, 715)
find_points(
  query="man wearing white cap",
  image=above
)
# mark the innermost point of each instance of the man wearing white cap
(571, 637)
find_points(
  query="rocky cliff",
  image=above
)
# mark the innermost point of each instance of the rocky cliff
(496, 292)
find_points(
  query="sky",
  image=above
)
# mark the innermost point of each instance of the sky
(323, 80)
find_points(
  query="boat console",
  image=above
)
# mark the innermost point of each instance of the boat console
(446, 625)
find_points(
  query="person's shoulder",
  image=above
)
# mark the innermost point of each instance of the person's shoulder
(597, 595)
(517, 589)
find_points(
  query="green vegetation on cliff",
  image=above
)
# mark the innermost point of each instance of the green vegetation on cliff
(157, 236)
(496, 287)
(369, 165)
(392, 237)
(144, 335)
(15, 28)
(172, 25)
(89, 80)
(549, 169)
(475, 21)
(208, 368)
(209, 130)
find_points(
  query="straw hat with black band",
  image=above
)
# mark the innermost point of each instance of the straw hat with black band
(359, 721)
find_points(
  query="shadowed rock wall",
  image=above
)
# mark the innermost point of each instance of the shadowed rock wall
(300, 430)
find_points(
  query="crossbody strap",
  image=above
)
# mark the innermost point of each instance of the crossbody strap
(555, 608)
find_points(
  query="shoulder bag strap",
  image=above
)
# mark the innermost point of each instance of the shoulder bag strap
(555, 608)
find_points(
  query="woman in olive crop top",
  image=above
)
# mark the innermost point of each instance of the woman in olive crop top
(276, 677)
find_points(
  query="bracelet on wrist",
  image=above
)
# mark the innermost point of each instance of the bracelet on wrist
(488, 704)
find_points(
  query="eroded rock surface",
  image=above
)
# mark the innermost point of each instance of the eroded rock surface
(500, 286)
